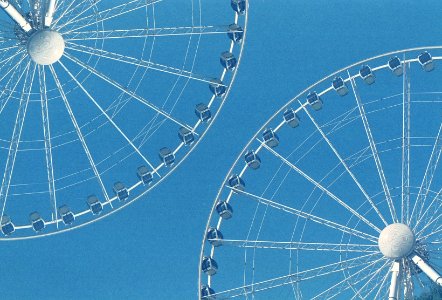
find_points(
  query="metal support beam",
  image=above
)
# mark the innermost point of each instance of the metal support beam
(12, 12)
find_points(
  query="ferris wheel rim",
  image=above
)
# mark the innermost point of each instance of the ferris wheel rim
(177, 163)
(212, 215)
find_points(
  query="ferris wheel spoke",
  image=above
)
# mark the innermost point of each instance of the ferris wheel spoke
(381, 287)
(16, 135)
(5, 101)
(10, 48)
(345, 284)
(301, 276)
(344, 164)
(15, 15)
(374, 150)
(371, 283)
(319, 186)
(431, 214)
(428, 179)
(145, 32)
(108, 118)
(139, 62)
(130, 93)
(110, 13)
(308, 216)
(344, 247)
(47, 141)
(406, 114)
(49, 12)
(69, 9)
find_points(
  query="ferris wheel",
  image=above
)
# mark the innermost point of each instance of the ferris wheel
(102, 100)
(338, 196)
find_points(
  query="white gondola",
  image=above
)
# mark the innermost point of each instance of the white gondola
(167, 157)
(214, 236)
(7, 226)
(186, 136)
(395, 65)
(66, 215)
(224, 210)
(209, 266)
(367, 75)
(121, 191)
(235, 33)
(270, 138)
(291, 118)
(207, 293)
(237, 183)
(339, 86)
(144, 174)
(314, 100)
(37, 222)
(239, 6)
(217, 87)
(228, 60)
(426, 61)
(94, 204)
(202, 111)
(252, 160)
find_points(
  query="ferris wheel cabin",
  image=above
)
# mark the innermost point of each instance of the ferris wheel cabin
(228, 60)
(214, 236)
(202, 111)
(235, 33)
(252, 160)
(94, 204)
(37, 222)
(7, 225)
(66, 215)
(291, 118)
(367, 75)
(121, 191)
(167, 157)
(270, 138)
(395, 65)
(217, 87)
(426, 61)
(224, 210)
(239, 6)
(314, 100)
(207, 293)
(209, 266)
(144, 175)
(236, 182)
(186, 136)
(339, 86)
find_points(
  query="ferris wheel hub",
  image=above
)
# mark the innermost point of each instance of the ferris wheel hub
(46, 47)
(396, 241)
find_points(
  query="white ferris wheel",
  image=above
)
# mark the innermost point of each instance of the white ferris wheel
(101, 100)
(338, 196)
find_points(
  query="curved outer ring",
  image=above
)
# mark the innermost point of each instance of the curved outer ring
(278, 113)
(191, 147)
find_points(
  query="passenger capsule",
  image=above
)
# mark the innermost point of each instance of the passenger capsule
(339, 86)
(214, 237)
(186, 136)
(66, 215)
(239, 6)
(94, 204)
(202, 111)
(252, 160)
(228, 60)
(37, 222)
(7, 226)
(167, 157)
(426, 61)
(209, 266)
(217, 87)
(235, 33)
(224, 210)
(314, 100)
(367, 75)
(121, 191)
(236, 183)
(207, 293)
(270, 138)
(291, 118)
(144, 174)
(395, 65)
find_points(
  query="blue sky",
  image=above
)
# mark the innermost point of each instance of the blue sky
(150, 250)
